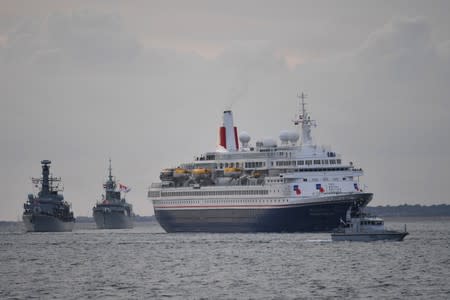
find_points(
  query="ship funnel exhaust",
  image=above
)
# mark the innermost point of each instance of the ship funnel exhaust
(228, 132)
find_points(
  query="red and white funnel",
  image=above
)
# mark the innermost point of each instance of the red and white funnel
(228, 132)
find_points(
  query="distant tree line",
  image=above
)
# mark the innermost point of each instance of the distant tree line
(137, 218)
(407, 210)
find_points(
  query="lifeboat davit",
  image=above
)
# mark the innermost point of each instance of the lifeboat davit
(232, 172)
(256, 174)
(166, 174)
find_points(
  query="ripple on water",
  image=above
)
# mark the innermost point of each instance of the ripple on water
(145, 263)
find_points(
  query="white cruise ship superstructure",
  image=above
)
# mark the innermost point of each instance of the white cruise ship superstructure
(292, 185)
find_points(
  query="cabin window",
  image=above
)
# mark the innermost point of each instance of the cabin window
(308, 162)
(338, 161)
(317, 162)
(300, 162)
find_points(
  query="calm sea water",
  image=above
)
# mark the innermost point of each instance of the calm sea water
(145, 263)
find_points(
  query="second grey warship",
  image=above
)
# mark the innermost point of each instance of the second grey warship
(47, 212)
(113, 212)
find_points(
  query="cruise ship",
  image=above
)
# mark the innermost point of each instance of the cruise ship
(290, 185)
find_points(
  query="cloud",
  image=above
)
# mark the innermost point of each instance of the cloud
(80, 39)
(403, 47)
(92, 38)
(79, 87)
(387, 100)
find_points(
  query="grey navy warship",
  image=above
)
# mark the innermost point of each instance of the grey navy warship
(113, 212)
(47, 211)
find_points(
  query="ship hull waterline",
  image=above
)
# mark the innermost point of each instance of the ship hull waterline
(368, 237)
(45, 223)
(308, 217)
(112, 220)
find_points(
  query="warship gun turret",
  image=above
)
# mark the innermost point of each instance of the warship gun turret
(47, 211)
(113, 212)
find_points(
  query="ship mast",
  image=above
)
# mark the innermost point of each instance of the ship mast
(304, 119)
(110, 184)
(110, 170)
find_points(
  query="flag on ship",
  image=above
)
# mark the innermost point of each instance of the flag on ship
(124, 188)
(297, 189)
(320, 188)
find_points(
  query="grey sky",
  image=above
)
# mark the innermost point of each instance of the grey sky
(146, 83)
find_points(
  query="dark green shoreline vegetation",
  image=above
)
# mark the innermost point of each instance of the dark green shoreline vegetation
(137, 218)
(405, 210)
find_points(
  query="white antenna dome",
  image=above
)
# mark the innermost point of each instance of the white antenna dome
(294, 136)
(244, 137)
(284, 137)
(269, 142)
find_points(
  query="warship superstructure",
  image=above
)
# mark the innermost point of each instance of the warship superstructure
(113, 212)
(47, 211)
(291, 186)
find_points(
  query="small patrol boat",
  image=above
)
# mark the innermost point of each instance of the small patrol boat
(47, 211)
(113, 212)
(362, 227)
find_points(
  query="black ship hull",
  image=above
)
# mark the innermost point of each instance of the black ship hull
(46, 223)
(112, 219)
(312, 217)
